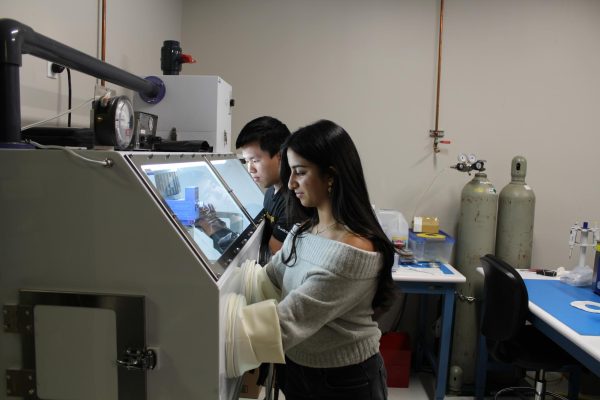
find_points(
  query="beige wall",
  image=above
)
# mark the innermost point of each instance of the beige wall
(133, 42)
(519, 77)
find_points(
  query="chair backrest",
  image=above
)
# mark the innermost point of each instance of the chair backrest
(505, 303)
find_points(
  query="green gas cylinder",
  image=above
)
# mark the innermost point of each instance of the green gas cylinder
(475, 238)
(516, 209)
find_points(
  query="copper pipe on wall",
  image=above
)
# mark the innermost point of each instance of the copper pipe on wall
(103, 41)
(439, 65)
(436, 134)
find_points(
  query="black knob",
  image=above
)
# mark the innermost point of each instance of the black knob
(170, 55)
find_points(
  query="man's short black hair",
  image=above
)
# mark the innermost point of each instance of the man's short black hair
(269, 132)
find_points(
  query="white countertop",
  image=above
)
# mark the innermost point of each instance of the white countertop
(410, 273)
(590, 344)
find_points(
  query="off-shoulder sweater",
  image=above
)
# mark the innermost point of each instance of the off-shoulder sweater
(325, 312)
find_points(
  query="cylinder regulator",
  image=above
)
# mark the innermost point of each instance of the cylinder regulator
(516, 209)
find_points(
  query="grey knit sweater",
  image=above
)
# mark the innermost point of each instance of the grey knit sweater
(325, 312)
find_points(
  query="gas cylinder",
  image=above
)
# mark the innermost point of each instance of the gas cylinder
(516, 209)
(475, 238)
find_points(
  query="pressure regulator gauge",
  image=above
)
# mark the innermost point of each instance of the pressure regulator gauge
(113, 122)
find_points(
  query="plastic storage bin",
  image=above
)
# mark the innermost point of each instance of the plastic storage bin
(395, 350)
(394, 225)
(431, 247)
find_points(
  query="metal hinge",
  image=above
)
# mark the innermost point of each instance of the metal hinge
(18, 319)
(138, 359)
(21, 383)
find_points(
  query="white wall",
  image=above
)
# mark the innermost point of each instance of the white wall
(133, 42)
(519, 77)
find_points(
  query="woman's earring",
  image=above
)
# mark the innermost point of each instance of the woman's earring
(329, 185)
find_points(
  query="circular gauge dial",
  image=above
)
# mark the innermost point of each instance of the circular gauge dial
(123, 118)
(113, 122)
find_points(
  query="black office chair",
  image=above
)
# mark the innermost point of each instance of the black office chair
(508, 338)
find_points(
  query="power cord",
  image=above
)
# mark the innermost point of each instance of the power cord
(57, 69)
(56, 116)
(70, 95)
(107, 162)
(425, 192)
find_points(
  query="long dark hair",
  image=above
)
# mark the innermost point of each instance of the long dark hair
(329, 146)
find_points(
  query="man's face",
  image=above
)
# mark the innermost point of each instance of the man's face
(263, 168)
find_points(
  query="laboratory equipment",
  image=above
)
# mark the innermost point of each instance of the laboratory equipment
(19, 39)
(105, 254)
(516, 211)
(583, 237)
(475, 238)
(104, 286)
(197, 106)
(113, 122)
(468, 163)
(171, 57)
(145, 130)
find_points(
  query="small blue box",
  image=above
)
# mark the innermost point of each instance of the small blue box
(186, 210)
(431, 247)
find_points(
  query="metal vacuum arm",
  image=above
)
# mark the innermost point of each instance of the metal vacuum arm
(17, 39)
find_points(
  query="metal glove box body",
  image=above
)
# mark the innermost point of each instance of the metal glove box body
(94, 260)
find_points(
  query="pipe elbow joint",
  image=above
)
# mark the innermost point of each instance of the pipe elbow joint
(13, 35)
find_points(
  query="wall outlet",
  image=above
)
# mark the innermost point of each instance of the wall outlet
(49, 73)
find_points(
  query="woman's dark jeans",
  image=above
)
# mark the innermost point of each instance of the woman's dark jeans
(362, 381)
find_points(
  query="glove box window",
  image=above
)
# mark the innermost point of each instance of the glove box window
(215, 201)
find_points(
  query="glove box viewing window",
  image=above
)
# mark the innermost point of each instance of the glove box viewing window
(212, 198)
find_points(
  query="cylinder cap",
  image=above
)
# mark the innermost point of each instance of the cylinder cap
(518, 169)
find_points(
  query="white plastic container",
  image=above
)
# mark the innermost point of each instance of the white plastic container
(393, 224)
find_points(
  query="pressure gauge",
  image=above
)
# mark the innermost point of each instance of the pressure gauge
(113, 122)
(462, 158)
(472, 158)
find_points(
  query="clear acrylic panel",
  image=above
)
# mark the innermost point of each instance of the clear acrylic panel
(201, 203)
(238, 179)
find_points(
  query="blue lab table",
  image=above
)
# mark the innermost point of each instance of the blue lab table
(576, 331)
(439, 279)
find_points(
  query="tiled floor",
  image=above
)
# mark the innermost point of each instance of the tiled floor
(415, 391)
(421, 388)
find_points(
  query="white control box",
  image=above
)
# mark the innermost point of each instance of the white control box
(197, 106)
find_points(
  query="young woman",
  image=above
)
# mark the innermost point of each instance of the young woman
(334, 269)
